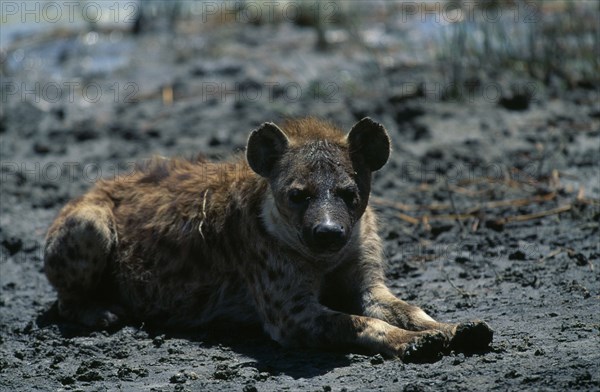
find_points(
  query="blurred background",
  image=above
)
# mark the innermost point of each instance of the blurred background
(497, 89)
(270, 58)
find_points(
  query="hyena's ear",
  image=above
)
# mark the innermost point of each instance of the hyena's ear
(266, 145)
(369, 144)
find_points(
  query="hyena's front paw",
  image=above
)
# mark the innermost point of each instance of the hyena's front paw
(428, 347)
(471, 337)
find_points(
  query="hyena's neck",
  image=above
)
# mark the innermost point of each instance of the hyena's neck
(232, 203)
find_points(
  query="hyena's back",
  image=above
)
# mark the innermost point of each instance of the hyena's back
(153, 243)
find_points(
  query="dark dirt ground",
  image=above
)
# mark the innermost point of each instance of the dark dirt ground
(534, 279)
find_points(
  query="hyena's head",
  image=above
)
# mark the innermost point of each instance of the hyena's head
(320, 179)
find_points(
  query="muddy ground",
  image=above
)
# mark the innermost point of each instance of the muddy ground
(489, 204)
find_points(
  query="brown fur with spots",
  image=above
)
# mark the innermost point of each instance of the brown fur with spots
(283, 237)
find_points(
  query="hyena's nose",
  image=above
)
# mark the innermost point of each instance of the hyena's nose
(329, 235)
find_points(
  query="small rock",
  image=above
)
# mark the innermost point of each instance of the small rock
(214, 141)
(518, 255)
(517, 101)
(579, 258)
(121, 354)
(495, 225)
(192, 375)
(392, 235)
(178, 378)
(58, 358)
(140, 334)
(413, 388)
(228, 69)
(82, 135)
(12, 244)
(531, 379)
(127, 373)
(377, 359)
(91, 375)
(263, 376)
(512, 374)
(158, 341)
(67, 380)
(198, 70)
(40, 148)
(223, 372)
(408, 113)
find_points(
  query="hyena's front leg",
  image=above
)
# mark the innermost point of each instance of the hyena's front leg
(293, 316)
(379, 302)
(358, 287)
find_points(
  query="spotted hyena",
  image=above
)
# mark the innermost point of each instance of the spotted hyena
(283, 237)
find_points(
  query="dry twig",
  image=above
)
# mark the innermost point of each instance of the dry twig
(551, 255)
(535, 215)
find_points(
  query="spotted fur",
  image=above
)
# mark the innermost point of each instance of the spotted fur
(283, 236)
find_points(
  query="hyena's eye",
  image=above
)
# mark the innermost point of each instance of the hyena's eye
(349, 195)
(299, 196)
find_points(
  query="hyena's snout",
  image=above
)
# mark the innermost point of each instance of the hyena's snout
(327, 224)
(326, 236)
